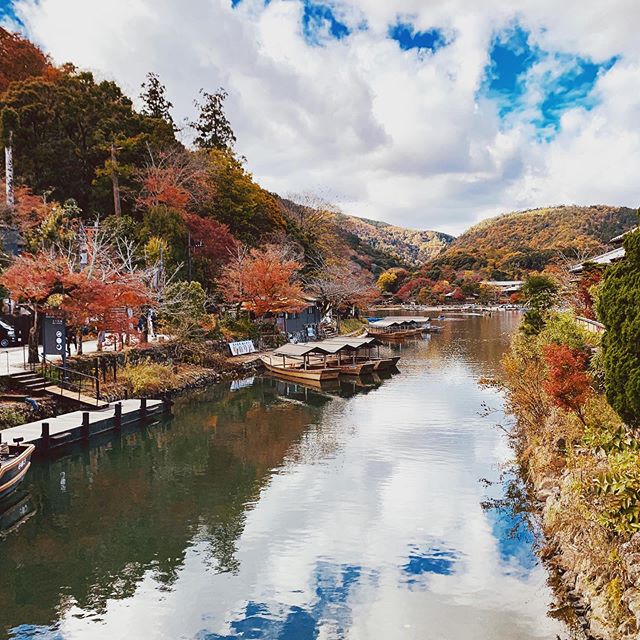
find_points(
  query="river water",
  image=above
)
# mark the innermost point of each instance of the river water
(267, 510)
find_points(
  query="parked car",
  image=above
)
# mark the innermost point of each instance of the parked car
(7, 334)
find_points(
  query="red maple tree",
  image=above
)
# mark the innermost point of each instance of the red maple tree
(262, 280)
(568, 382)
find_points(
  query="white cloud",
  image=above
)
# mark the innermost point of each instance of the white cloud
(390, 134)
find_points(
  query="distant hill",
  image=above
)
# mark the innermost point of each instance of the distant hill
(389, 246)
(516, 242)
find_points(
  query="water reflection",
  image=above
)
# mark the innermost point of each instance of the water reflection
(268, 509)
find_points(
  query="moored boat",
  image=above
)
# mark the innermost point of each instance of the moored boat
(302, 362)
(391, 329)
(356, 369)
(15, 460)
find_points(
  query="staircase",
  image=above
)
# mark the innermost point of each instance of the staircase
(33, 383)
(36, 385)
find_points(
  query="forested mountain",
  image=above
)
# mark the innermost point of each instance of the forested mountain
(511, 244)
(407, 247)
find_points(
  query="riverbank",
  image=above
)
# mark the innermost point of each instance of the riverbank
(149, 372)
(580, 465)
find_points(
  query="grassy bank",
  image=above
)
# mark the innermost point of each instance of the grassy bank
(581, 465)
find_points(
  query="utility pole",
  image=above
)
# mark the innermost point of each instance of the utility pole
(114, 180)
(8, 165)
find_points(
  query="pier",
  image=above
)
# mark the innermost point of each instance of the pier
(81, 426)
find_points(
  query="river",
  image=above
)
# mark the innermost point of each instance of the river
(267, 510)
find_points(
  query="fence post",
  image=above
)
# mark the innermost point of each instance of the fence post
(117, 418)
(85, 425)
(143, 408)
(45, 436)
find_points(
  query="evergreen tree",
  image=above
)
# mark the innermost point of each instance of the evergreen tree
(541, 294)
(213, 128)
(65, 132)
(617, 306)
(154, 96)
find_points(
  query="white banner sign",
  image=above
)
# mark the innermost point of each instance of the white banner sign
(240, 348)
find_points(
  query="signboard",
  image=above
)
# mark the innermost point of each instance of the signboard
(55, 337)
(240, 348)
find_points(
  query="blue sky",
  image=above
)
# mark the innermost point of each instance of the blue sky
(427, 115)
(567, 84)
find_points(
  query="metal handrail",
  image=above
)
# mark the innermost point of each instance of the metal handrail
(63, 378)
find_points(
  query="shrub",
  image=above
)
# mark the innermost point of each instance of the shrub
(561, 328)
(147, 378)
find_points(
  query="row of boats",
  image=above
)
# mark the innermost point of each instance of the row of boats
(328, 359)
(345, 355)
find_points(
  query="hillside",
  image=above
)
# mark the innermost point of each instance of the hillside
(386, 242)
(515, 242)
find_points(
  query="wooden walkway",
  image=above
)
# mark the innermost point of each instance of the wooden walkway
(80, 426)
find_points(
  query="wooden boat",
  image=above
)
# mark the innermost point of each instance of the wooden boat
(355, 368)
(392, 329)
(15, 460)
(297, 370)
(389, 336)
(386, 364)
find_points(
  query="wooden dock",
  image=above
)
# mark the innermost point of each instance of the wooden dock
(81, 426)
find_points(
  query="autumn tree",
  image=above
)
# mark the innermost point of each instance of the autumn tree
(583, 300)
(567, 381)
(313, 223)
(32, 280)
(262, 280)
(20, 60)
(212, 127)
(211, 247)
(250, 212)
(340, 286)
(387, 282)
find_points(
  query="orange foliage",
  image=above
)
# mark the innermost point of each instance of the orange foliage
(29, 210)
(567, 381)
(32, 279)
(20, 60)
(262, 280)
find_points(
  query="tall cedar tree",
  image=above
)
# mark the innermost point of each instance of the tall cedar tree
(156, 104)
(617, 306)
(213, 128)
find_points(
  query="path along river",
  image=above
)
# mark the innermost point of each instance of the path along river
(266, 510)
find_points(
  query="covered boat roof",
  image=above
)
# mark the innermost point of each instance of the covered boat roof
(394, 322)
(303, 348)
(351, 341)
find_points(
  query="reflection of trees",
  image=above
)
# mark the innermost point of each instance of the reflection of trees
(136, 503)
(478, 343)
